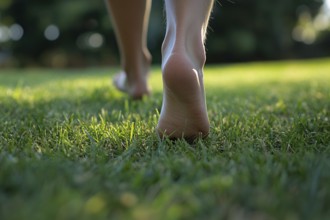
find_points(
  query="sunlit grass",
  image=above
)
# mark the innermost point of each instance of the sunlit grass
(72, 147)
(259, 73)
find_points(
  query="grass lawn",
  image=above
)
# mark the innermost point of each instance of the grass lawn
(72, 147)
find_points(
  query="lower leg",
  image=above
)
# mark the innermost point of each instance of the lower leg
(184, 112)
(130, 21)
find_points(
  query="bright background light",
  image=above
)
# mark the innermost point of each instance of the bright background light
(52, 32)
(327, 4)
(16, 32)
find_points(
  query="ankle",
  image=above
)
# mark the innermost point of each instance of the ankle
(191, 47)
(180, 59)
(137, 68)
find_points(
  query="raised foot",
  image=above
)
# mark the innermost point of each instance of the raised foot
(136, 90)
(184, 113)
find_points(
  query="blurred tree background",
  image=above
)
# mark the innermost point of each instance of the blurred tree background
(78, 33)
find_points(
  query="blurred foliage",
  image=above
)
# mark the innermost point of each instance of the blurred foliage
(240, 30)
(73, 18)
(256, 29)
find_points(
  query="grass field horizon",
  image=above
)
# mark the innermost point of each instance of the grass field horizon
(72, 147)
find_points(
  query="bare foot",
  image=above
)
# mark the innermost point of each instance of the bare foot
(133, 80)
(136, 89)
(184, 113)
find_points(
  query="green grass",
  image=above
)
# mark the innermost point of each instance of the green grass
(72, 147)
